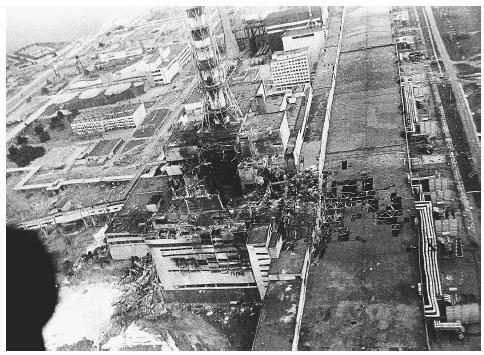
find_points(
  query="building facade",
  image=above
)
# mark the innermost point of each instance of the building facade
(207, 258)
(295, 17)
(313, 38)
(263, 245)
(290, 68)
(108, 118)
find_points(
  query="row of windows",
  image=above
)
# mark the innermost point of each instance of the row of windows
(289, 67)
(291, 77)
(289, 72)
(251, 284)
(127, 242)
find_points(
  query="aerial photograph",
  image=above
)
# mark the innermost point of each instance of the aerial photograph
(242, 178)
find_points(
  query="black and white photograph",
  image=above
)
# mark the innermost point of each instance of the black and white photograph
(242, 176)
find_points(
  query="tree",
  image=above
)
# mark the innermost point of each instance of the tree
(57, 121)
(44, 136)
(12, 152)
(21, 140)
(44, 91)
(25, 154)
(39, 129)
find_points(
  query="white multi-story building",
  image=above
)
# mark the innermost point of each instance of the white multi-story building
(170, 63)
(290, 68)
(160, 67)
(108, 118)
(313, 38)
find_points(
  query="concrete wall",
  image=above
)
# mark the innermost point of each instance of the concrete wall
(213, 295)
(284, 130)
(315, 42)
(259, 255)
(106, 57)
(300, 134)
(302, 300)
(126, 251)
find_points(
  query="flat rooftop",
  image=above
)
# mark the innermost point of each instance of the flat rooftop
(293, 14)
(290, 261)
(272, 103)
(295, 114)
(263, 122)
(244, 93)
(317, 112)
(302, 31)
(366, 27)
(283, 55)
(37, 203)
(107, 112)
(196, 204)
(142, 192)
(277, 320)
(258, 233)
(134, 216)
(367, 100)
(362, 289)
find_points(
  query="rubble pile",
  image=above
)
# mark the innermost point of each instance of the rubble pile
(143, 293)
(99, 255)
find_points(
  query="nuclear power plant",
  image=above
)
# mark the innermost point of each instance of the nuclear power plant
(255, 178)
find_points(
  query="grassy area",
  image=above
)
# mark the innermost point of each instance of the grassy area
(132, 144)
(151, 123)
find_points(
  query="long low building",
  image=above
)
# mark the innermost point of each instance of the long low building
(108, 118)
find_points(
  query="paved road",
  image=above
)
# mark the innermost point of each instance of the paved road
(461, 101)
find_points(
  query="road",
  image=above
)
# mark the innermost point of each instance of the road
(461, 101)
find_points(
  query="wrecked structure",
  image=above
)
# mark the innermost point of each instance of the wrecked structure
(218, 133)
(210, 241)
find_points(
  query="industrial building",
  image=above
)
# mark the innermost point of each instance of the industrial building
(295, 17)
(108, 118)
(110, 55)
(290, 68)
(311, 37)
(159, 68)
(330, 195)
(36, 53)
